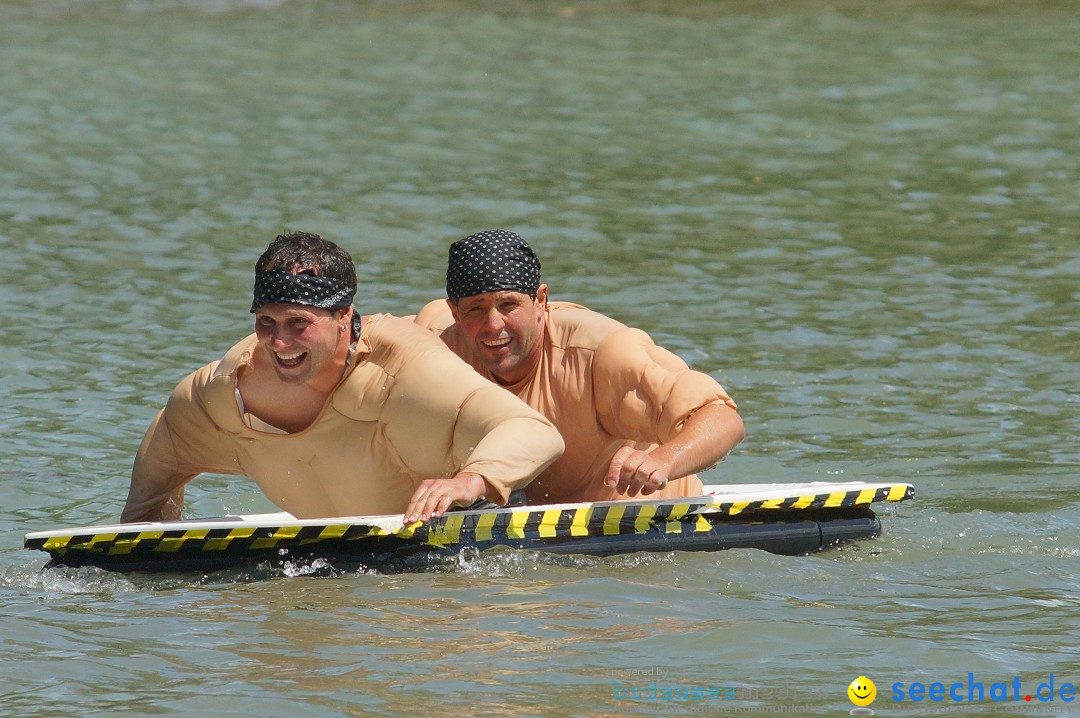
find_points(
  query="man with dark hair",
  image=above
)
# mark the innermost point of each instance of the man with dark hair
(334, 414)
(635, 419)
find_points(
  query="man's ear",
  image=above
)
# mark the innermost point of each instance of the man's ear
(453, 308)
(541, 295)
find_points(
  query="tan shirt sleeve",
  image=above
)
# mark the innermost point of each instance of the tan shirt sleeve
(646, 393)
(512, 446)
(182, 442)
(491, 431)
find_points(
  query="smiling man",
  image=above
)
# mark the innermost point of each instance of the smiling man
(635, 419)
(334, 414)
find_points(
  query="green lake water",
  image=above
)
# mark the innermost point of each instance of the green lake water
(862, 218)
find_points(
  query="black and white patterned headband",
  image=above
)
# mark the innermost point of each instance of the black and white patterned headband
(306, 289)
(491, 261)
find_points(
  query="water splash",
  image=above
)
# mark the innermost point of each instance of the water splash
(65, 581)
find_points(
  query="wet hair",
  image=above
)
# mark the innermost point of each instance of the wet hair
(306, 253)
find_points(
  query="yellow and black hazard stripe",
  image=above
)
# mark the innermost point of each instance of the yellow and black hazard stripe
(539, 524)
(829, 500)
(244, 539)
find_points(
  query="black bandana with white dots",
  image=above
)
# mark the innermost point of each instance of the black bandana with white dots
(491, 261)
(305, 289)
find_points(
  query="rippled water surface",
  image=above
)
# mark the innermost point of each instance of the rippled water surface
(862, 218)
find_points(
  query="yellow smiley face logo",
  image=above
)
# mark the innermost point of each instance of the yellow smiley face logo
(862, 691)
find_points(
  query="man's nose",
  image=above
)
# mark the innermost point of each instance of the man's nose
(279, 336)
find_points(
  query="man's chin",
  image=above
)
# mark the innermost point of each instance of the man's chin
(505, 372)
(493, 359)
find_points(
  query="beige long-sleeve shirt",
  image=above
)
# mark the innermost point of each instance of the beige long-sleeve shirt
(407, 410)
(605, 386)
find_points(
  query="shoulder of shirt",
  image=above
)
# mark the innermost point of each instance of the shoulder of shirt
(387, 345)
(210, 389)
(435, 316)
(572, 326)
(386, 329)
(237, 356)
(390, 341)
